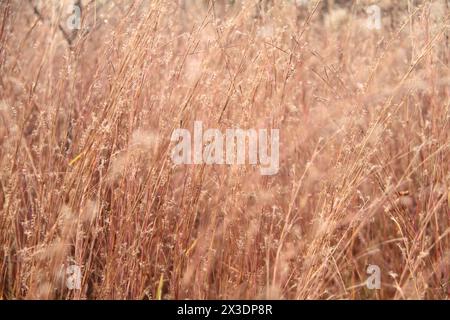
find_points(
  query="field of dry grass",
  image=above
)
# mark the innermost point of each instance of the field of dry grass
(86, 179)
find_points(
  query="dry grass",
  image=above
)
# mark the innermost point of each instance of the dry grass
(85, 176)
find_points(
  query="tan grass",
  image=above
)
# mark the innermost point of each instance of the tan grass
(86, 178)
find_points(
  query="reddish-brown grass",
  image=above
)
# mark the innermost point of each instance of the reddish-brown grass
(86, 178)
